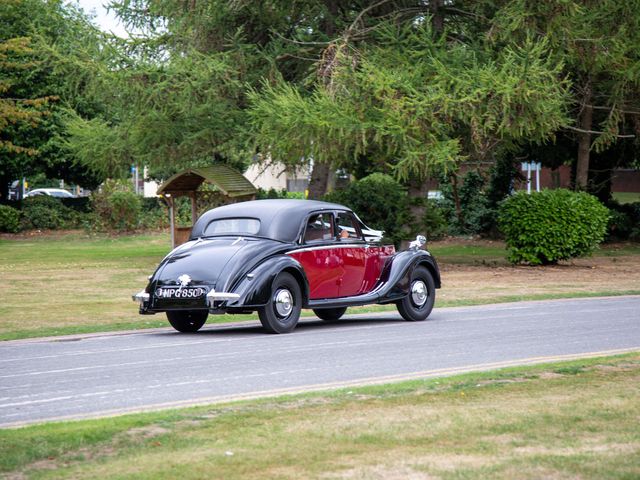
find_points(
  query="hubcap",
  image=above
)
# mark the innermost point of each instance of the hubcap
(419, 293)
(283, 302)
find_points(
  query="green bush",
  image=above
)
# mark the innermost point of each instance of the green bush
(263, 194)
(154, 213)
(116, 207)
(48, 213)
(9, 219)
(382, 203)
(379, 200)
(434, 222)
(477, 214)
(624, 221)
(552, 225)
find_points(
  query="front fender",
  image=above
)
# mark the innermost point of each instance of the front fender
(396, 275)
(254, 288)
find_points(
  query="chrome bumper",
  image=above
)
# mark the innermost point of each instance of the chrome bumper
(140, 297)
(214, 296)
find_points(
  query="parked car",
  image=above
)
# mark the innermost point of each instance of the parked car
(52, 192)
(279, 256)
(15, 190)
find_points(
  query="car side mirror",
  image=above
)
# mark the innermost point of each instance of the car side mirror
(418, 242)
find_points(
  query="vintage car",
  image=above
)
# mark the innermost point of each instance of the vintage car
(277, 257)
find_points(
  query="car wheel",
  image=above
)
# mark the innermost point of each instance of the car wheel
(329, 314)
(282, 312)
(422, 294)
(187, 320)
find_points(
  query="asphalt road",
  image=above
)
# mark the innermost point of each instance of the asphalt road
(93, 375)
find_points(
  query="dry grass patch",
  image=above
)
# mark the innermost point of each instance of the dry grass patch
(594, 275)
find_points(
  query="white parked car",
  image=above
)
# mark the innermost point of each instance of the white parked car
(52, 192)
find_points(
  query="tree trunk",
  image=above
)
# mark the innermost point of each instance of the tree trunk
(437, 18)
(319, 180)
(456, 197)
(584, 142)
(417, 192)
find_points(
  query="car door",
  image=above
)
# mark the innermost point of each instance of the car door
(352, 254)
(319, 257)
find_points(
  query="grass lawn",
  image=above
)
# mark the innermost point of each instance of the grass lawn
(626, 197)
(568, 420)
(73, 283)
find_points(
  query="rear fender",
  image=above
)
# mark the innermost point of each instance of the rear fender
(254, 287)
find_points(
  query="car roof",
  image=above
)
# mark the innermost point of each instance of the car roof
(50, 190)
(280, 219)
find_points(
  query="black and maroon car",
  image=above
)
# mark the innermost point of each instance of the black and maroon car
(279, 256)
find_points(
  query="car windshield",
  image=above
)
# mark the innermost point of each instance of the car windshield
(232, 226)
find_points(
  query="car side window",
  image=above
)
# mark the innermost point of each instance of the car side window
(319, 228)
(347, 227)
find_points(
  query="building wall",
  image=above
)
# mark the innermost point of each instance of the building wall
(625, 180)
(275, 176)
(267, 177)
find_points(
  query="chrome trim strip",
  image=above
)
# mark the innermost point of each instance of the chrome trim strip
(328, 247)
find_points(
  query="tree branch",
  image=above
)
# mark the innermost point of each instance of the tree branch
(630, 112)
(581, 130)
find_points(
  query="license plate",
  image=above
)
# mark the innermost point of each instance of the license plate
(180, 292)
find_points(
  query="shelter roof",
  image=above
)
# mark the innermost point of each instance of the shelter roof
(230, 182)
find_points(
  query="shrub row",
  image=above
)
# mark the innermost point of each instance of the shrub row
(41, 212)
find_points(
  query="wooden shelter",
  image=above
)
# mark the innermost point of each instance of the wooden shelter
(225, 185)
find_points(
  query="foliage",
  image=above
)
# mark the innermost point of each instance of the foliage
(154, 213)
(434, 224)
(273, 193)
(599, 45)
(378, 200)
(477, 213)
(382, 203)
(624, 221)
(415, 102)
(116, 207)
(43, 212)
(9, 219)
(551, 225)
(39, 40)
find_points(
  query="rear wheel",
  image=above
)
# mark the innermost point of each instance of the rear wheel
(187, 320)
(329, 314)
(422, 294)
(282, 312)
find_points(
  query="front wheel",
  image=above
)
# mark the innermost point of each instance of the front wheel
(329, 314)
(422, 294)
(187, 321)
(282, 312)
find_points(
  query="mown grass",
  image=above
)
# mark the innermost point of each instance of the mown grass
(626, 197)
(565, 420)
(74, 283)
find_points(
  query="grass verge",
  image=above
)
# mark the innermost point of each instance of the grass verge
(573, 419)
(626, 197)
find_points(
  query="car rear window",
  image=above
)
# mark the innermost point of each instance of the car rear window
(232, 226)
